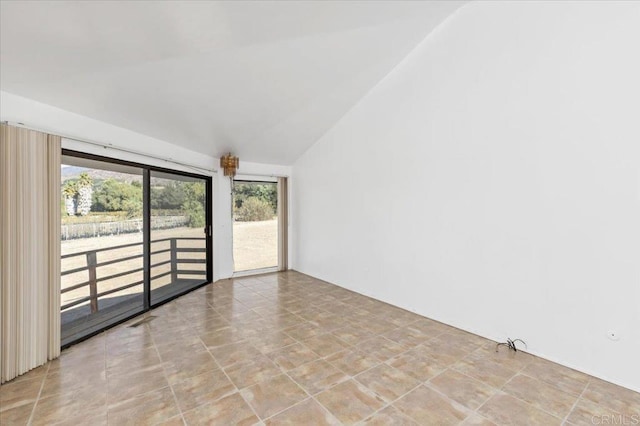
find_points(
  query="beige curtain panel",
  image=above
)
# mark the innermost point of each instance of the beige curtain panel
(29, 250)
(283, 224)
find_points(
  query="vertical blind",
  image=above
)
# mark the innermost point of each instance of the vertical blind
(29, 250)
(283, 224)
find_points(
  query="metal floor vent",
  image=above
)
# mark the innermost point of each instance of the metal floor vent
(142, 321)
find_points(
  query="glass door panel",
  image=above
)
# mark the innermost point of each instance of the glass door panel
(102, 256)
(178, 234)
(255, 225)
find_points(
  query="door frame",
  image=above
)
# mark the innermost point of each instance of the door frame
(282, 231)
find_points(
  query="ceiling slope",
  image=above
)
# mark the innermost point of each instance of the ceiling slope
(262, 79)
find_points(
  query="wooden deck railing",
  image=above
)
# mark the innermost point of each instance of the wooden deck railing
(91, 266)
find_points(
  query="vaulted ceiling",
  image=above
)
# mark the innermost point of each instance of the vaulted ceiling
(262, 79)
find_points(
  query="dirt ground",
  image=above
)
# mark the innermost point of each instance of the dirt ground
(255, 245)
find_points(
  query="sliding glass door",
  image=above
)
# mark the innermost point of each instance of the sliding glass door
(133, 236)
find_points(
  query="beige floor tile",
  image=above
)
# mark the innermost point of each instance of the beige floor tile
(16, 393)
(19, 415)
(387, 381)
(426, 406)
(283, 321)
(443, 350)
(292, 356)
(68, 380)
(73, 404)
(477, 420)
(418, 365)
(232, 311)
(430, 327)
(407, 336)
(76, 363)
(353, 361)
(173, 421)
(202, 389)
(175, 350)
(350, 401)
(307, 413)
(295, 306)
(126, 386)
(95, 345)
(235, 352)
(311, 313)
(352, 334)
(461, 388)
(463, 339)
(375, 325)
(250, 372)
(508, 358)
(587, 413)
(304, 331)
(145, 409)
(222, 336)
(485, 369)
(245, 319)
(504, 409)
(441, 359)
(124, 364)
(316, 376)
(325, 344)
(273, 395)
(330, 322)
(269, 342)
(230, 410)
(381, 348)
(243, 333)
(190, 364)
(400, 317)
(617, 398)
(389, 416)
(97, 418)
(540, 395)
(129, 345)
(558, 376)
(206, 325)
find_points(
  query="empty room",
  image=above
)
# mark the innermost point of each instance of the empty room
(319, 212)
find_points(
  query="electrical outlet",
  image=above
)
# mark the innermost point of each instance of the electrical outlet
(613, 335)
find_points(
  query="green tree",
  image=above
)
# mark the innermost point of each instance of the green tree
(85, 192)
(168, 197)
(114, 195)
(194, 204)
(267, 192)
(70, 192)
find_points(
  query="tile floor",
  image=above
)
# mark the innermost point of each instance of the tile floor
(289, 349)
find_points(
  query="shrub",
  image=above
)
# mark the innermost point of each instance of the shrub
(254, 209)
(196, 213)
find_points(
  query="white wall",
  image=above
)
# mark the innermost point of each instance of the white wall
(17, 109)
(492, 182)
